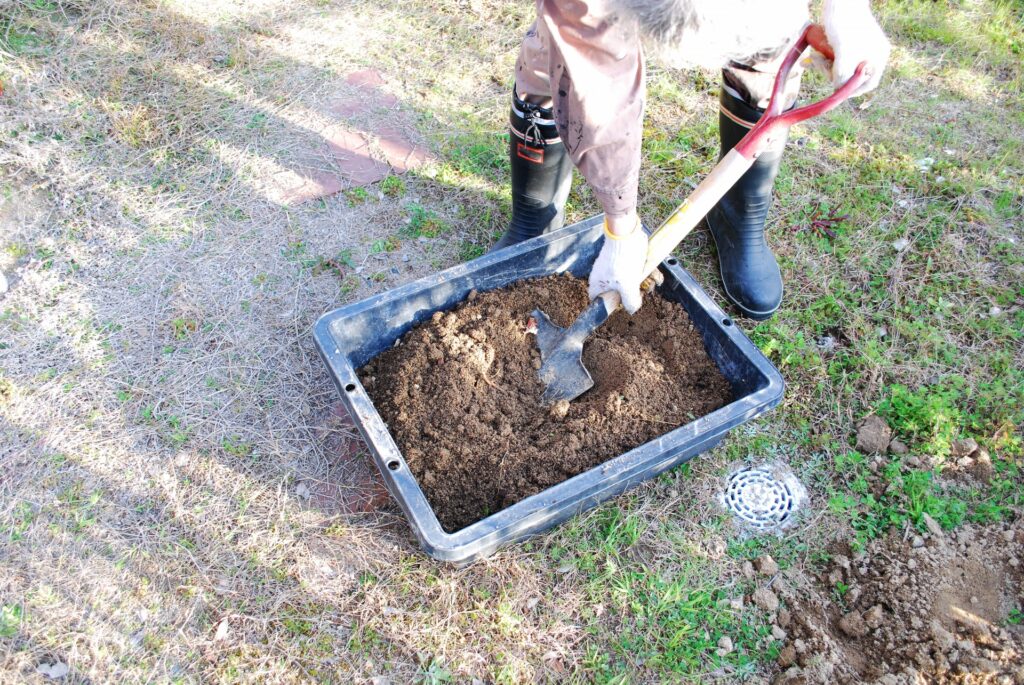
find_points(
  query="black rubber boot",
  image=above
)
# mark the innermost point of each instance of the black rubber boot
(541, 174)
(750, 274)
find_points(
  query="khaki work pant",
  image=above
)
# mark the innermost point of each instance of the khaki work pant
(579, 59)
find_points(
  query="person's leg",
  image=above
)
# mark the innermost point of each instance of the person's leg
(540, 168)
(578, 99)
(750, 273)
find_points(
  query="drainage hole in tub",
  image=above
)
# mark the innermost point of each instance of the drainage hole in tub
(671, 261)
(350, 387)
(394, 464)
(727, 321)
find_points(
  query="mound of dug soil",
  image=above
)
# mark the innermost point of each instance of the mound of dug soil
(461, 397)
(911, 610)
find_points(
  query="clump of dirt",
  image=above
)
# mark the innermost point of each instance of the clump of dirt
(908, 609)
(461, 397)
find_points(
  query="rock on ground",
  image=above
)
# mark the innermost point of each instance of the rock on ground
(873, 435)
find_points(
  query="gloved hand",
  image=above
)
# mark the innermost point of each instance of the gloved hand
(620, 265)
(855, 37)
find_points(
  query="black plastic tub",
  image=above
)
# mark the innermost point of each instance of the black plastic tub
(349, 337)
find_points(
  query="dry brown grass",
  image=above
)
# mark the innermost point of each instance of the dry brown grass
(160, 397)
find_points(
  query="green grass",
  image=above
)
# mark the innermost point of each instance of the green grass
(423, 222)
(929, 416)
(898, 495)
(662, 620)
(11, 618)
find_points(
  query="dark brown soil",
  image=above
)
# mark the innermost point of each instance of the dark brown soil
(461, 397)
(940, 608)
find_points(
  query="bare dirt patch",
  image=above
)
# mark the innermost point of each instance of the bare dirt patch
(461, 396)
(908, 609)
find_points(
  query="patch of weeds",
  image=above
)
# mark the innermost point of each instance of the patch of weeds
(21, 518)
(389, 244)
(236, 447)
(840, 127)
(481, 153)
(929, 415)
(784, 346)
(18, 40)
(668, 619)
(785, 551)
(357, 196)
(616, 531)
(1003, 496)
(82, 505)
(294, 251)
(182, 328)
(45, 255)
(875, 504)
(434, 674)
(393, 186)
(258, 122)
(469, 250)
(379, 277)
(336, 264)
(1015, 617)
(17, 251)
(175, 432)
(46, 375)
(135, 126)
(423, 223)
(365, 641)
(349, 284)
(673, 625)
(11, 618)
(297, 627)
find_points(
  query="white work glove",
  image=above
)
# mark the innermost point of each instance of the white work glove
(855, 37)
(620, 267)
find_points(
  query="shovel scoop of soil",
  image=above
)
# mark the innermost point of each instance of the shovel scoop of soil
(461, 397)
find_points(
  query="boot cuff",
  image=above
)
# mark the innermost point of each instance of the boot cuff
(737, 110)
(528, 121)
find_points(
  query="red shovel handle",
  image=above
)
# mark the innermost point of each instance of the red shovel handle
(773, 119)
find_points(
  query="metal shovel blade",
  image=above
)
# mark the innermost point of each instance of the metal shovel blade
(561, 352)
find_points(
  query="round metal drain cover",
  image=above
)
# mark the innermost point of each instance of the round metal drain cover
(764, 497)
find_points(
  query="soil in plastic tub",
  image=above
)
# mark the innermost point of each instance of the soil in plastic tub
(461, 397)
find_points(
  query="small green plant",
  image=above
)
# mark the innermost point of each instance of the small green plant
(21, 519)
(928, 415)
(357, 196)
(336, 264)
(45, 255)
(1015, 617)
(423, 223)
(393, 186)
(903, 496)
(11, 617)
(182, 328)
(468, 251)
(294, 250)
(235, 446)
(389, 244)
(258, 121)
(434, 674)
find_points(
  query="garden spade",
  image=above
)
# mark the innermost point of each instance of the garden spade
(561, 349)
